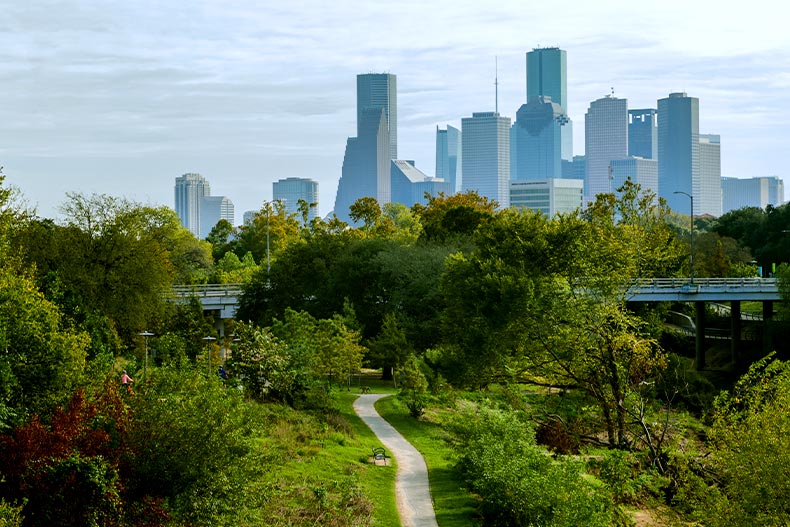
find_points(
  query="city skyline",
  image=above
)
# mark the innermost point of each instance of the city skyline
(122, 99)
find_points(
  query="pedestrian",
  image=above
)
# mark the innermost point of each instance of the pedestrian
(126, 381)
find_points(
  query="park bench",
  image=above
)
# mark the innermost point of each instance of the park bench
(379, 454)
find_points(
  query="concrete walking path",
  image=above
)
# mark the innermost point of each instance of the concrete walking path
(411, 482)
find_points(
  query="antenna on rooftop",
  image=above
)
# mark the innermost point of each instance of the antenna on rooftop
(496, 84)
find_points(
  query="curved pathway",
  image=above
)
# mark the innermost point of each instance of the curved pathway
(411, 482)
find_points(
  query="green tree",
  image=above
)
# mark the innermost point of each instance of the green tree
(456, 215)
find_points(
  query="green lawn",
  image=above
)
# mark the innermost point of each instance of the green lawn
(454, 506)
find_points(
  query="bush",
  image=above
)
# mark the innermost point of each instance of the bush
(520, 485)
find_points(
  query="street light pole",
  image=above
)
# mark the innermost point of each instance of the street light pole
(208, 351)
(691, 235)
(146, 334)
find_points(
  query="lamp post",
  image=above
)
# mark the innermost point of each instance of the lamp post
(691, 235)
(146, 334)
(208, 351)
(269, 213)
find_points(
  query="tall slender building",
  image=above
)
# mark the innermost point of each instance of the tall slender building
(537, 135)
(708, 186)
(291, 190)
(189, 191)
(643, 133)
(379, 90)
(605, 139)
(448, 156)
(678, 150)
(547, 77)
(366, 164)
(485, 154)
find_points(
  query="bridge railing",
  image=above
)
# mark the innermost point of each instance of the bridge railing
(207, 290)
(705, 282)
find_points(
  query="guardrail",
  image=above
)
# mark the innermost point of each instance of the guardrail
(207, 290)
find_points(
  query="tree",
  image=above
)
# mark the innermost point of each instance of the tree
(454, 215)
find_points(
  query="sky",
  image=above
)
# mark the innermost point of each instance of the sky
(121, 97)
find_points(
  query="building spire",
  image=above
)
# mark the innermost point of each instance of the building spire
(496, 84)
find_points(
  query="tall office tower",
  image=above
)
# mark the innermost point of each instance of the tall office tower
(249, 216)
(678, 150)
(605, 139)
(753, 192)
(643, 133)
(366, 164)
(708, 186)
(537, 135)
(291, 190)
(547, 74)
(485, 154)
(189, 190)
(379, 90)
(643, 172)
(448, 156)
(549, 196)
(409, 184)
(213, 209)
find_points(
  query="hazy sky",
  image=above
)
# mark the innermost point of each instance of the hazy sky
(120, 97)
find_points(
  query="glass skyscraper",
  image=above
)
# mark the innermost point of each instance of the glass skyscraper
(485, 154)
(409, 184)
(547, 75)
(643, 133)
(189, 191)
(605, 139)
(536, 150)
(644, 172)
(379, 90)
(213, 209)
(448, 156)
(678, 150)
(291, 190)
(752, 192)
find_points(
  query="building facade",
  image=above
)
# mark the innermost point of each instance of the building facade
(485, 156)
(547, 76)
(409, 184)
(549, 196)
(708, 186)
(752, 192)
(291, 190)
(605, 140)
(643, 133)
(448, 157)
(678, 150)
(643, 172)
(213, 209)
(537, 136)
(190, 189)
(375, 91)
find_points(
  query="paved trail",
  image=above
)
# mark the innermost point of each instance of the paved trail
(411, 482)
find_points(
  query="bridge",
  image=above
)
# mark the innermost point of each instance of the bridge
(223, 300)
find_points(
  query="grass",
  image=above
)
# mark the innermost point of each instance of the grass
(453, 505)
(314, 470)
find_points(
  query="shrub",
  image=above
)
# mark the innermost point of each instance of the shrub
(520, 485)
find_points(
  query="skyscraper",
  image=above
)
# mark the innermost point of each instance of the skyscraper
(678, 149)
(536, 151)
(189, 190)
(708, 186)
(291, 190)
(213, 209)
(379, 90)
(485, 154)
(448, 156)
(643, 133)
(605, 139)
(366, 164)
(643, 172)
(547, 75)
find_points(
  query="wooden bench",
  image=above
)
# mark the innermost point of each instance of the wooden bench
(379, 454)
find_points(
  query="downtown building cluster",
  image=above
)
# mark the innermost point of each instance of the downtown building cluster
(530, 162)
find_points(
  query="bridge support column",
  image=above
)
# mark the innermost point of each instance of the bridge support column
(699, 348)
(735, 330)
(768, 315)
